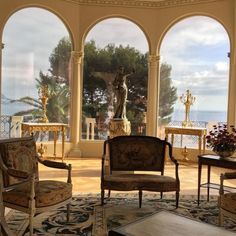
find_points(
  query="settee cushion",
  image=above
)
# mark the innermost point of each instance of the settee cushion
(48, 192)
(149, 182)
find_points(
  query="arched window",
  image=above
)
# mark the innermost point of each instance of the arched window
(35, 64)
(109, 44)
(194, 56)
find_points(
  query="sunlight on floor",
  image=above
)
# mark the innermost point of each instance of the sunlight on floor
(86, 176)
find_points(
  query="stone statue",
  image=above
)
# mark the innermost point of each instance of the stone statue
(121, 92)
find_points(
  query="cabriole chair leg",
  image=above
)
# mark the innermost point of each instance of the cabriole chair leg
(68, 213)
(102, 197)
(140, 198)
(177, 200)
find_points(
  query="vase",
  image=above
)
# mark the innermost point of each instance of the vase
(224, 154)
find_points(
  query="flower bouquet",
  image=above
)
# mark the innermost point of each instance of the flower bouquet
(222, 140)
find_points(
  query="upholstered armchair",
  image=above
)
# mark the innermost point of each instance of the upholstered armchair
(123, 155)
(20, 186)
(227, 201)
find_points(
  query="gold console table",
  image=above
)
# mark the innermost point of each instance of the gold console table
(30, 128)
(195, 131)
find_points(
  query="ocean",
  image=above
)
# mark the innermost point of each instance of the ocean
(12, 108)
(198, 115)
(178, 115)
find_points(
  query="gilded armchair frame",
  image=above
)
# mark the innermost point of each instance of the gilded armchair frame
(29, 180)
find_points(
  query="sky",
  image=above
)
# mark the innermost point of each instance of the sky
(196, 48)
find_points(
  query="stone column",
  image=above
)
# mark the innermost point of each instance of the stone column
(2, 47)
(232, 78)
(153, 94)
(75, 78)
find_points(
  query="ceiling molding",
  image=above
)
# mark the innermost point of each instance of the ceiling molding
(140, 3)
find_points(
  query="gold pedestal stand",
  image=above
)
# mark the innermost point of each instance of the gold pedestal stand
(42, 150)
(188, 100)
(43, 96)
(185, 154)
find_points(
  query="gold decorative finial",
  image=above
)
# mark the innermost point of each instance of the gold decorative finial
(42, 150)
(43, 96)
(188, 100)
(185, 154)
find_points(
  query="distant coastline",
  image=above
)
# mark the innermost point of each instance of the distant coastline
(220, 116)
(178, 115)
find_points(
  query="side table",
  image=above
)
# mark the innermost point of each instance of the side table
(29, 128)
(212, 160)
(196, 131)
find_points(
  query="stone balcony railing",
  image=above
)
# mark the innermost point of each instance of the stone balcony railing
(10, 126)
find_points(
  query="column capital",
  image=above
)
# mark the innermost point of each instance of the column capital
(77, 56)
(153, 58)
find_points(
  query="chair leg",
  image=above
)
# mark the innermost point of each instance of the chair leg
(109, 193)
(4, 229)
(102, 197)
(220, 218)
(31, 223)
(161, 194)
(177, 199)
(140, 198)
(68, 213)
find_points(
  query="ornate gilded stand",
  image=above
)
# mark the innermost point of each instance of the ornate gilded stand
(188, 100)
(30, 128)
(43, 96)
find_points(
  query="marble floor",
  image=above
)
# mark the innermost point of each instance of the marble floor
(86, 175)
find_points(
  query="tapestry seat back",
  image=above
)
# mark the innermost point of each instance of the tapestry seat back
(136, 153)
(18, 154)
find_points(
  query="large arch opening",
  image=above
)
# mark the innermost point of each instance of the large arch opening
(194, 53)
(35, 65)
(110, 43)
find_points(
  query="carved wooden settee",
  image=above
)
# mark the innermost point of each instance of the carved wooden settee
(137, 153)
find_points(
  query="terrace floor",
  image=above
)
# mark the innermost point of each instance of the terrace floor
(86, 176)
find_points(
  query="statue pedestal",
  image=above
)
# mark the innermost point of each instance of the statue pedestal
(118, 127)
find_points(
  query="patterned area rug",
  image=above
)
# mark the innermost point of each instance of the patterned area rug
(88, 218)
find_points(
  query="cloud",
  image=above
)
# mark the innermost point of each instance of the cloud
(222, 67)
(198, 30)
(197, 48)
(28, 45)
(119, 32)
(38, 36)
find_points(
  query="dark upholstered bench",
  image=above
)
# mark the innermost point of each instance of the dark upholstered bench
(124, 154)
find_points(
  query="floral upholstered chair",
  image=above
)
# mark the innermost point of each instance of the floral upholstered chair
(227, 201)
(123, 155)
(20, 186)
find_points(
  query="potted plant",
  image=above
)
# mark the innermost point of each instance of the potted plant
(222, 140)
